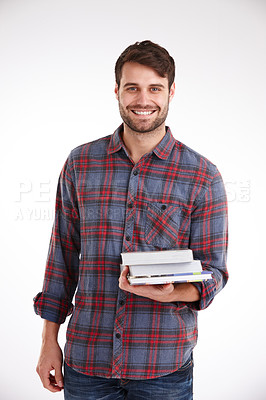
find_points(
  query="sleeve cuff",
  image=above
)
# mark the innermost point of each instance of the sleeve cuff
(52, 308)
(206, 297)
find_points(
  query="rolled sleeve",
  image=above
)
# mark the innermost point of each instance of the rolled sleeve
(54, 303)
(209, 240)
(52, 308)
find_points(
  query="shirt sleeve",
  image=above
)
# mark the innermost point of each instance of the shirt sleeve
(54, 303)
(209, 240)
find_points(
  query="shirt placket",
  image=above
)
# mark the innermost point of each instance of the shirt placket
(119, 351)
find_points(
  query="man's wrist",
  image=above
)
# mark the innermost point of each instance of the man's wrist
(50, 332)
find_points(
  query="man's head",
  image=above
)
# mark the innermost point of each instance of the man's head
(149, 54)
(144, 86)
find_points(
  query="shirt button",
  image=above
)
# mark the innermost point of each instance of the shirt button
(130, 205)
(163, 207)
(135, 172)
(118, 335)
(128, 238)
(121, 302)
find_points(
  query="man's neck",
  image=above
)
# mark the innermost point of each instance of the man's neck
(138, 144)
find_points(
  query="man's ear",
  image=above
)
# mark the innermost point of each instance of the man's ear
(116, 90)
(172, 91)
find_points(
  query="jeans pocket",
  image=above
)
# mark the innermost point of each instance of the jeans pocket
(188, 364)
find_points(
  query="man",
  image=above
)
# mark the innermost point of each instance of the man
(136, 190)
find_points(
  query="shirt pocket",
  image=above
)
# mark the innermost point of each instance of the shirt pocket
(162, 225)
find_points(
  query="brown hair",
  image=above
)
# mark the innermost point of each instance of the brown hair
(149, 54)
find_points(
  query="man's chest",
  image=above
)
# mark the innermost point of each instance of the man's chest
(148, 204)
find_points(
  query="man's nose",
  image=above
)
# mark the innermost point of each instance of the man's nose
(143, 98)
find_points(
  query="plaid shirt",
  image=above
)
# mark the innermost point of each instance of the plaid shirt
(172, 198)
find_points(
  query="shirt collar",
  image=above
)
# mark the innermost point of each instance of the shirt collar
(116, 142)
(162, 150)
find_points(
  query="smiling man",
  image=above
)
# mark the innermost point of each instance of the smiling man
(138, 189)
(143, 97)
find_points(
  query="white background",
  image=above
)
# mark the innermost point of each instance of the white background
(57, 81)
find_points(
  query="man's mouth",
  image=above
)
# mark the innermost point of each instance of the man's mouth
(143, 112)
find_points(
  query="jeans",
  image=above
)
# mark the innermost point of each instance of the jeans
(175, 386)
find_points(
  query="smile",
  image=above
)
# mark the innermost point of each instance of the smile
(143, 112)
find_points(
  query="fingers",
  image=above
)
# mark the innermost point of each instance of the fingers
(125, 271)
(54, 383)
(123, 282)
(51, 384)
(160, 293)
(59, 377)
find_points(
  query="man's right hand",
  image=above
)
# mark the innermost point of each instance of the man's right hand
(51, 359)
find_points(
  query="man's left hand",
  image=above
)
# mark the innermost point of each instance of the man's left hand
(163, 293)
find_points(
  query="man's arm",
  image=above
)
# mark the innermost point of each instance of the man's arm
(185, 292)
(54, 303)
(51, 358)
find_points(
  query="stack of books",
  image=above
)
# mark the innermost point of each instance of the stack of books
(161, 267)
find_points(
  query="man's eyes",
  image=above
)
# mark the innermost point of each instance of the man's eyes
(152, 89)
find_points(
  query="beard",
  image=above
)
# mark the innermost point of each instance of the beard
(143, 126)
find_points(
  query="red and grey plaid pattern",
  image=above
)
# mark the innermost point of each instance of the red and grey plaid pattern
(172, 198)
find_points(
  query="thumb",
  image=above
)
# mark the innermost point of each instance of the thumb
(59, 376)
(125, 271)
(168, 287)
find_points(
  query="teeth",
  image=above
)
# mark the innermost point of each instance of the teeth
(143, 112)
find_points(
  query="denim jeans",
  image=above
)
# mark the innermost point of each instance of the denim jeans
(175, 386)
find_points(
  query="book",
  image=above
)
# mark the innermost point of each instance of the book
(161, 267)
(176, 278)
(165, 269)
(157, 257)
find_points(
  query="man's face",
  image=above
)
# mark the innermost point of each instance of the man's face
(143, 97)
